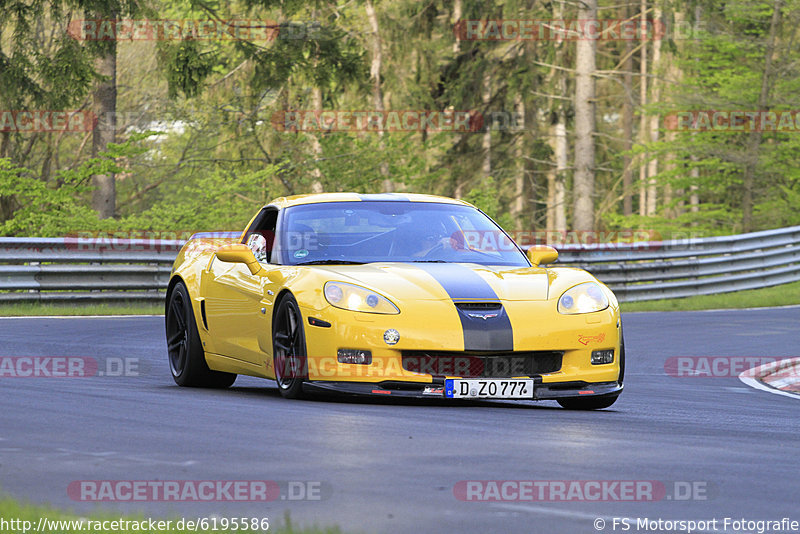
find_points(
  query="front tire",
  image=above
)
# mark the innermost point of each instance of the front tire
(588, 403)
(187, 360)
(289, 348)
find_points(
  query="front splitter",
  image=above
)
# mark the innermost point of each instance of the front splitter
(434, 390)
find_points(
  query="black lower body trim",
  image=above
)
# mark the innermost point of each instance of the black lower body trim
(427, 390)
(576, 389)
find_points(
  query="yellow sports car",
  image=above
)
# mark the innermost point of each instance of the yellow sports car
(390, 294)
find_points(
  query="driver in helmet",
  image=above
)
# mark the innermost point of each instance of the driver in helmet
(429, 242)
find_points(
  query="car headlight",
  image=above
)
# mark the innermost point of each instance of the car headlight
(583, 298)
(356, 298)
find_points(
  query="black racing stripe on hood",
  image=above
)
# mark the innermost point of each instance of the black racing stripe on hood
(462, 284)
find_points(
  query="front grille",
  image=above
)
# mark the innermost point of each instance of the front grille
(481, 364)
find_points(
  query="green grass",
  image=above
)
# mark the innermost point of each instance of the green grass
(783, 295)
(11, 509)
(24, 309)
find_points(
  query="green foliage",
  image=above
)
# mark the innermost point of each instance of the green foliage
(219, 200)
(217, 156)
(41, 68)
(44, 210)
(484, 197)
(722, 70)
(58, 207)
(187, 67)
(708, 221)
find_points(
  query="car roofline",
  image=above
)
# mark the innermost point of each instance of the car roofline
(321, 198)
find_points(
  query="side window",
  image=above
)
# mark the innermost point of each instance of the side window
(258, 244)
(260, 236)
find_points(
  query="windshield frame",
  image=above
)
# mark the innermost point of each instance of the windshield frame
(282, 248)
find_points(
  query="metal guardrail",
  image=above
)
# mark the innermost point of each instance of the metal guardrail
(690, 267)
(124, 271)
(72, 270)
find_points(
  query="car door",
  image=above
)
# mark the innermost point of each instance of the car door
(239, 304)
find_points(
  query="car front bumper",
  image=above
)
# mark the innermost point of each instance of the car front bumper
(435, 389)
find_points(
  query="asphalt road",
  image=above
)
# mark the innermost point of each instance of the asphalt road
(385, 466)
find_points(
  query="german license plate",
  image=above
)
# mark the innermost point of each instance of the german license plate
(494, 388)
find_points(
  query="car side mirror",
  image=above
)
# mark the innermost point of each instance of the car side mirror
(539, 254)
(239, 253)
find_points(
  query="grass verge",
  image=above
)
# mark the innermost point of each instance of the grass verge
(25, 309)
(26, 518)
(782, 295)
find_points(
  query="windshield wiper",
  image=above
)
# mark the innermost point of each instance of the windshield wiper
(429, 261)
(331, 262)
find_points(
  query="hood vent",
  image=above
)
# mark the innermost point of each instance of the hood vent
(478, 306)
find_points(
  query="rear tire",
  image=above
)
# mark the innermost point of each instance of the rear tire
(187, 360)
(289, 349)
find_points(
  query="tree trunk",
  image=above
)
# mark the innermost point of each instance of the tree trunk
(456, 16)
(104, 107)
(694, 172)
(6, 203)
(627, 124)
(583, 187)
(674, 79)
(556, 177)
(316, 147)
(377, 91)
(518, 205)
(457, 8)
(655, 88)
(5, 138)
(754, 137)
(560, 193)
(556, 188)
(669, 165)
(486, 141)
(642, 115)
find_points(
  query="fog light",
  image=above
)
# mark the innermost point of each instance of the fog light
(354, 356)
(600, 357)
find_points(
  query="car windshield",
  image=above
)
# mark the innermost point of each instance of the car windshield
(394, 231)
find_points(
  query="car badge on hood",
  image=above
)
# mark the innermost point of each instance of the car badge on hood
(483, 316)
